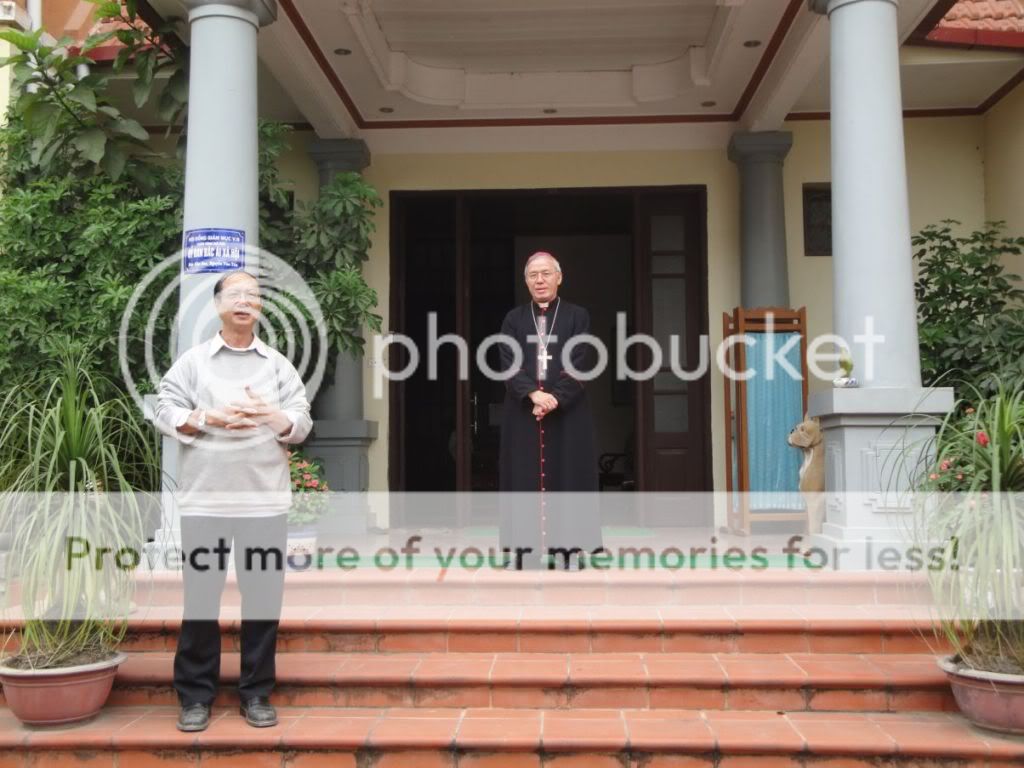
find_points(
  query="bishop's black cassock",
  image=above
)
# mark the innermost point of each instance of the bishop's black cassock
(556, 454)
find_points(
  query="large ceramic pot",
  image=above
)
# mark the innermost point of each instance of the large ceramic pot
(61, 695)
(991, 700)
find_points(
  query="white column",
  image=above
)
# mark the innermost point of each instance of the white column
(872, 435)
(871, 255)
(221, 183)
(221, 157)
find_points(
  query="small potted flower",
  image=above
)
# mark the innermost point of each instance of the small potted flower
(309, 503)
(973, 509)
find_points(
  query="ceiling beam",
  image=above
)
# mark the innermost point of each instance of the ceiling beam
(800, 57)
(283, 50)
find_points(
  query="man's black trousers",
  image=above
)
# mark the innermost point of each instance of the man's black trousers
(205, 543)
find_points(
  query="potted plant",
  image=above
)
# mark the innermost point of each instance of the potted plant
(74, 455)
(309, 502)
(973, 509)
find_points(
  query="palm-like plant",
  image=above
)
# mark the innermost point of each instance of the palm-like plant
(72, 464)
(974, 509)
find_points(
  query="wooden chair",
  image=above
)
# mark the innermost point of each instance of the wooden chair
(744, 506)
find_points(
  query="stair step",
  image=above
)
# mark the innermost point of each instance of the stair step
(485, 587)
(460, 738)
(598, 629)
(584, 681)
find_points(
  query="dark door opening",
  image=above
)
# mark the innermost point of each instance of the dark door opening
(461, 254)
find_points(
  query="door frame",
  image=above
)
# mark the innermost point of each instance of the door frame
(463, 198)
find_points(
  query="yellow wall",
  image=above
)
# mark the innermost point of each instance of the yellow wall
(1004, 167)
(944, 158)
(538, 170)
(298, 169)
(946, 180)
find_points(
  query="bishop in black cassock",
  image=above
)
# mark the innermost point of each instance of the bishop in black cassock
(547, 434)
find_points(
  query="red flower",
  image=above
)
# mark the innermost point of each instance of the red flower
(944, 466)
(315, 483)
(982, 439)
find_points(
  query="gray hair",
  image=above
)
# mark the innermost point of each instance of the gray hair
(538, 255)
(219, 286)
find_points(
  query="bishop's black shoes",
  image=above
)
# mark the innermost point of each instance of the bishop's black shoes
(193, 717)
(258, 712)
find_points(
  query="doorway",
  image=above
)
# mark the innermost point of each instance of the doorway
(638, 252)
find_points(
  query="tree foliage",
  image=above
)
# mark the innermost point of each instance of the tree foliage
(88, 207)
(969, 308)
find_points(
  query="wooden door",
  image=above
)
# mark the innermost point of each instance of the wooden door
(671, 297)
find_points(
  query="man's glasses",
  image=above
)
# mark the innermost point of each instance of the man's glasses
(250, 296)
(547, 274)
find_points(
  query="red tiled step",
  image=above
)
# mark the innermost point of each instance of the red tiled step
(458, 587)
(598, 629)
(457, 738)
(813, 682)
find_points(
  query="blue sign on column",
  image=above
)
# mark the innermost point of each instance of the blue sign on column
(214, 250)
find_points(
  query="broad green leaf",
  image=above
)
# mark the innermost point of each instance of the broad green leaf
(95, 41)
(23, 72)
(39, 114)
(24, 41)
(132, 128)
(84, 95)
(122, 58)
(114, 161)
(127, 37)
(168, 106)
(141, 89)
(177, 85)
(91, 143)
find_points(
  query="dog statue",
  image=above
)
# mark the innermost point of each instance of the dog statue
(807, 436)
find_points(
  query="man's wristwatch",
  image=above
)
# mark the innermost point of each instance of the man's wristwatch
(202, 419)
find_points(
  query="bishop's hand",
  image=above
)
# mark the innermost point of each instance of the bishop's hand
(543, 403)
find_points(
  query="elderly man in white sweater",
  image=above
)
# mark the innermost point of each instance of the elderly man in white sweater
(234, 404)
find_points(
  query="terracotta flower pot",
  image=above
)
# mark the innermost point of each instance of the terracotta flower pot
(61, 695)
(991, 700)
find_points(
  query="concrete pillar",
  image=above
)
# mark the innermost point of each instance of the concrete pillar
(222, 152)
(871, 254)
(221, 175)
(764, 270)
(341, 437)
(873, 435)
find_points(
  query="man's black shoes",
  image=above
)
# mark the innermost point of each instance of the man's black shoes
(258, 712)
(194, 717)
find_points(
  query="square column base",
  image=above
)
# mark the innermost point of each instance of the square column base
(876, 441)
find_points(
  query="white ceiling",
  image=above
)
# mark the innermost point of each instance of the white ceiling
(538, 62)
(935, 78)
(450, 59)
(544, 35)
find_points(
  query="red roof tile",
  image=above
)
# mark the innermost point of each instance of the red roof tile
(996, 15)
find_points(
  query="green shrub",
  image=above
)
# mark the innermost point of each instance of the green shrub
(970, 315)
